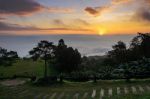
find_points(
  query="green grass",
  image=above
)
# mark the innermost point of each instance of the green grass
(29, 91)
(22, 66)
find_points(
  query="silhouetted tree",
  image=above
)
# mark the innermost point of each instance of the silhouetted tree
(119, 53)
(140, 45)
(127, 71)
(145, 44)
(93, 68)
(106, 71)
(44, 50)
(108, 61)
(135, 49)
(67, 59)
(134, 61)
(7, 57)
(138, 49)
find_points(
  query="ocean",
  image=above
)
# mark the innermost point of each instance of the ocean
(88, 45)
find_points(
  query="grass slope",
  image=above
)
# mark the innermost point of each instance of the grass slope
(22, 67)
(29, 91)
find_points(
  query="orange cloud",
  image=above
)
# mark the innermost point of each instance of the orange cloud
(59, 10)
(14, 27)
(120, 1)
(97, 11)
(82, 22)
(20, 30)
(48, 31)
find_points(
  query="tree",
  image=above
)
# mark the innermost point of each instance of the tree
(119, 52)
(7, 57)
(67, 58)
(92, 66)
(138, 49)
(44, 50)
(106, 71)
(127, 71)
(145, 44)
(140, 46)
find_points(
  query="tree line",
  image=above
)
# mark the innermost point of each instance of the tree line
(122, 62)
(7, 57)
(138, 48)
(60, 58)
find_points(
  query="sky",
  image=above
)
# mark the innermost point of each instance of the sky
(92, 17)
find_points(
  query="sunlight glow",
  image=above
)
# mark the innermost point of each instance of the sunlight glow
(101, 32)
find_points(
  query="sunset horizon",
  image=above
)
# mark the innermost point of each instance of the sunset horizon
(74, 49)
(45, 17)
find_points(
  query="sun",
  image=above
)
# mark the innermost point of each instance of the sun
(101, 32)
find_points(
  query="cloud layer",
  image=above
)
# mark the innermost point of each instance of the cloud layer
(143, 12)
(143, 15)
(19, 7)
(59, 10)
(96, 11)
(120, 1)
(26, 7)
(1, 18)
(14, 27)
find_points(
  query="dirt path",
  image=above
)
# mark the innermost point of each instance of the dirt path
(12, 82)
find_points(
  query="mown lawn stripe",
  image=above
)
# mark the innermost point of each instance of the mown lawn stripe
(53, 95)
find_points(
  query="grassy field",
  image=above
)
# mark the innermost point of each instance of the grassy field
(87, 90)
(69, 90)
(21, 67)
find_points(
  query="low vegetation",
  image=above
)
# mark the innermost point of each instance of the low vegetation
(67, 74)
(70, 90)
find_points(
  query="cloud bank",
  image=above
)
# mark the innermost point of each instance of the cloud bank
(120, 1)
(14, 27)
(143, 15)
(96, 11)
(26, 7)
(19, 7)
(143, 12)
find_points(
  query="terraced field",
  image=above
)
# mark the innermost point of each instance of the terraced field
(87, 90)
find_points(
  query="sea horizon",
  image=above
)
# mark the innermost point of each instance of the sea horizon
(88, 45)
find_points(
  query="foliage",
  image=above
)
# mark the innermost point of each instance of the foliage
(67, 58)
(138, 49)
(139, 69)
(61, 58)
(119, 53)
(140, 45)
(44, 50)
(7, 57)
(66, 63)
